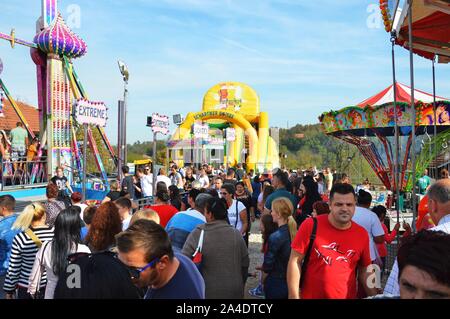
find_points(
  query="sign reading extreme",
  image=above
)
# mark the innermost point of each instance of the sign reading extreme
(88, 112)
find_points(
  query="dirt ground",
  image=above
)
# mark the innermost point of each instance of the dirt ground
(254, 250)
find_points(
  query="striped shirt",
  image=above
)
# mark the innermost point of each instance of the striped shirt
(23, 254)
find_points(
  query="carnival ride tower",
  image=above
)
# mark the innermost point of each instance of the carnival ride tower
(53, 50)
(55, 41)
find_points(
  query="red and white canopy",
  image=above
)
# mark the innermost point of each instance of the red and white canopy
(403, 95)
(430, 28)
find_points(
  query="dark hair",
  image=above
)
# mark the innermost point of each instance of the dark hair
(321, 208)
(269, 227)
(102, 276)
(76, 197)
(193, 193)
(67, 233)
(212, 192)
(52, 190)
(161, 186)
(230, 172)
(380, 210)
(163, 196)
(239, 183)
(88, 214)
(430, 252)
(8, 201)
(364, 198)
(282, 177)
(125, 169)
(174, 192)
(149, 236)
(312, 195)
(105, 224)
(342, 189)
(256, 179)
(123, 202)
(229, 188)
(218, 208)
(269, 189)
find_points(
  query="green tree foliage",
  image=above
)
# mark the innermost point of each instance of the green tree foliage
(108, 162)
(308, 146)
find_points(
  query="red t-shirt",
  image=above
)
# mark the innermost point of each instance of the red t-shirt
(335, 257)
(165, 213)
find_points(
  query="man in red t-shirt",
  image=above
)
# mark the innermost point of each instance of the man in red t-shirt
(340, 252)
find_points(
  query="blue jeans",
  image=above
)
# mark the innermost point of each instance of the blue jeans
(276, 288)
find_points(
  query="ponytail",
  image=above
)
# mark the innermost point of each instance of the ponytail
(292, 227)
(31, 213)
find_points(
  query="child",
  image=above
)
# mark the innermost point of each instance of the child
(267, 227)
(380, 210)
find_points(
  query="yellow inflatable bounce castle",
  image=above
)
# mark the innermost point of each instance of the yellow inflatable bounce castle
(230, 107)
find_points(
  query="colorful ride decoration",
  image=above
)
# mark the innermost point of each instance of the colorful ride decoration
(430, 148)
(54, 48)
(236, 105)
(386, 14)
(430, 26)
(370, 126)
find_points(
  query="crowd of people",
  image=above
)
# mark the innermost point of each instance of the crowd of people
(321, 239)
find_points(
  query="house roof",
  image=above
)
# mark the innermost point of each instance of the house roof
(9, 119)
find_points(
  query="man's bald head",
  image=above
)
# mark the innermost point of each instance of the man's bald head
(439, 199)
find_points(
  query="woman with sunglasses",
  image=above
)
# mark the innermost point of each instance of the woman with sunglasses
(24, 249)
(52, 256)
(225, 260)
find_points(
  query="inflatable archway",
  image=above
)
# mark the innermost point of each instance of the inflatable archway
(235, 104)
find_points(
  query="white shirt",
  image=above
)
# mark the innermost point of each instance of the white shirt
(83, 207)
(204, 181)
(126, 223)
(260, 197)
(370, 222)
(147, 185)
(321, 188)
(392, 287)
(232, 214)
(165, 179)
(177, 180)
(46, 258)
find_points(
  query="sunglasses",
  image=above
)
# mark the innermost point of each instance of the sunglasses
(222, 193)
(135, 273)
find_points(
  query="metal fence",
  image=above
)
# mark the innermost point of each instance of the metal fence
(23, 173)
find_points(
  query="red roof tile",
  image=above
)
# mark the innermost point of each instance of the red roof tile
(10, 118)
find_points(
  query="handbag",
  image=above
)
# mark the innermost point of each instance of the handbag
(40, 293)
(198, 256)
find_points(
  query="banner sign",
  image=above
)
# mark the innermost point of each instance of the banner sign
(160, 123)
(230, 134)
(201, 131)
(88, 112)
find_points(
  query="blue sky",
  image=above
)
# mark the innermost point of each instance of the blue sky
(302, 57)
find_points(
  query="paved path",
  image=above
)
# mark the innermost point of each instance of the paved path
(23, 202)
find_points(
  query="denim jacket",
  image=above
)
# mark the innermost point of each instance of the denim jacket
(279, 250)
(6, 239)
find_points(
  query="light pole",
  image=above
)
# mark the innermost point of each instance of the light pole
(122, 120)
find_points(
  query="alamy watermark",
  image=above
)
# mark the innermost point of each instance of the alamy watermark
(375, 19)
(73, 20)
(74, 279)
